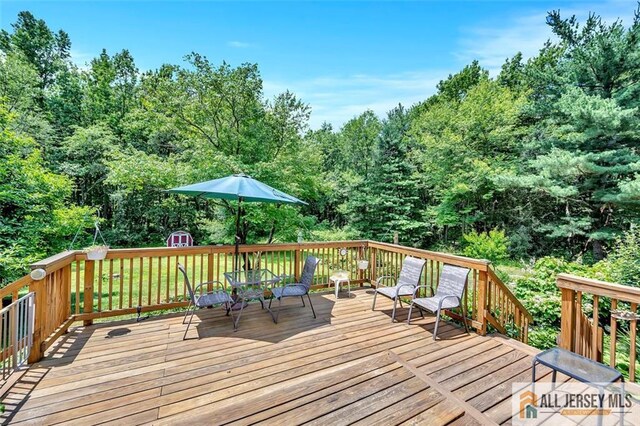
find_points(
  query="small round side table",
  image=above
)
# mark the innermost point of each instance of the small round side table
(340, 278)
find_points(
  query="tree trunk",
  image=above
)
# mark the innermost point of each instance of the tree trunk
(598, 250)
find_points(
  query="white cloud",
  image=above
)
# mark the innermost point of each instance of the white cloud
(239, 44)
(491, 44)
(336, 99)
(80, 59)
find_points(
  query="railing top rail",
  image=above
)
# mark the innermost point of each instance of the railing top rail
(15, 286)
(15, 302)
(57, 261)
(496, 279)
(599, 288)
(243, 248)
(479, 264)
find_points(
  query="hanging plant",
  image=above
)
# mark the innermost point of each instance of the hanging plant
(362, 263)
(94, 251)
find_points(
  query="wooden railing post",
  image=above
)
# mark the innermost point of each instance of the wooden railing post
(40, 301)
(89, 269)
(481, 301)
(210, 271)
(297, 254)
(66, 295)
(372, 265)
(567, 319)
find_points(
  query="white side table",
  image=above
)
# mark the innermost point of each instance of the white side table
(340, 278)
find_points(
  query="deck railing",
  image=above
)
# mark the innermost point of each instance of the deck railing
(490, 303)
(147, 279)
(583, 334)
(16, 333)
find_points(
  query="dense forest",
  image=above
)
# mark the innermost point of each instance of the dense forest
(541, 160)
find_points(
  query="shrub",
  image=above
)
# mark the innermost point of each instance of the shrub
(492, 246)
(623, 264)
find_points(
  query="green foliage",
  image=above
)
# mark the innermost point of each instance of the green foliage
(333, 234)
(35, 217)
(623, 263)
(492, 245)
(463, 145)
(547, 153)
(45, 50)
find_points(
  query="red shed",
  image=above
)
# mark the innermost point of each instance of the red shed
(180, 239)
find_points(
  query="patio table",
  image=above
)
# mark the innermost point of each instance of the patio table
(251, 285)
(340, 278)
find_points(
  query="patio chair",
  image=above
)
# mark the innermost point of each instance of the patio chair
(199, 301)
(300, 289)
(408, 280)
(453, 281)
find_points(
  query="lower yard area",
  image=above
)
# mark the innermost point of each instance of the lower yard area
(350, 365)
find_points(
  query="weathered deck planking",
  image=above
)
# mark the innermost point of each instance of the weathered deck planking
(348, 366)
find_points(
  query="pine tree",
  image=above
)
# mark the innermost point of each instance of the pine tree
(393, 186)
(585, 145)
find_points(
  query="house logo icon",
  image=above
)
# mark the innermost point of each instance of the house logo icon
(528, 403)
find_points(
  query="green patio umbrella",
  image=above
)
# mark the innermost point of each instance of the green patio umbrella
(238, 187)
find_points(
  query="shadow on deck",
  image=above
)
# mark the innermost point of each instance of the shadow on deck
(350, 365)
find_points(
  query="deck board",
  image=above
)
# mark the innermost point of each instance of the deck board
(350, 365)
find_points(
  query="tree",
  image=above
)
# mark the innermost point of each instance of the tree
(110, 89)
(464, 144)
(47, 51)
(36, 218)
(584, 146)
(393, 188)
(456, 86)
(86, 154)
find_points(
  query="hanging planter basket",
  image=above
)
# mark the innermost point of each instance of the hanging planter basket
(363, 264)
(96, 252)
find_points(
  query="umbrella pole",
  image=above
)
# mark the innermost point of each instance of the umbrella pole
(237, 237)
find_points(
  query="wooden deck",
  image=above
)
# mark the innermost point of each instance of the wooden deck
(350, 365)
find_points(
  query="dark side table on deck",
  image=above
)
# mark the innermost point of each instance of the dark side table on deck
(579, 368)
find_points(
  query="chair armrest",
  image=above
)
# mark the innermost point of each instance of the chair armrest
(398, 287)
(449, 297)
(384, 277)
(195, 290)
(418, 287)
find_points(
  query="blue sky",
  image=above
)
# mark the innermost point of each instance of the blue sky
(340, 57)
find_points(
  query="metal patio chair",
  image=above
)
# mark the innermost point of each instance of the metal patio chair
(300, 289)
(408, 280)
(198, 300)
(453, 281)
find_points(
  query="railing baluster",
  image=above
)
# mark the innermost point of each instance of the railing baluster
(149, 280)
(130, 276)
(633, 325)
(594, 329)
(168, 286)
(111, 284)
(100, 285)
(159, 289)
(121, 280)
(140, 278)
(175, 279)
(77, 298)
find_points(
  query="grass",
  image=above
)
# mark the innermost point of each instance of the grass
(127, 283)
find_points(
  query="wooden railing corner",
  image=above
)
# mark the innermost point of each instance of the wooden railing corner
(89, 272)
(482, 301)
(582, 333)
